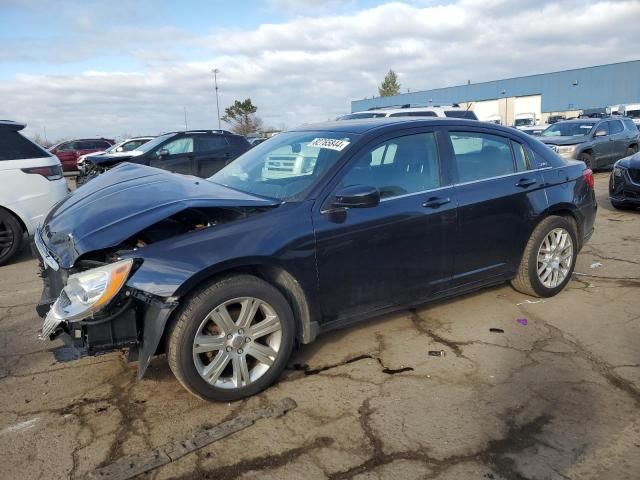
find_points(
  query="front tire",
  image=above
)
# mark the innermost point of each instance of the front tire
(11, 234)
(587, 158)
(231, 339)
(548, 259)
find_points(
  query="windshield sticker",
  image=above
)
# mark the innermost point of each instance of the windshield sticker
(330, 143)
(588, 127)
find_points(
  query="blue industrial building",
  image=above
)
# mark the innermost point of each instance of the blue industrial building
(568, 90)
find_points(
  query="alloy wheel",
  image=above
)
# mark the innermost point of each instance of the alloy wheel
(237, 342)
(554, 258)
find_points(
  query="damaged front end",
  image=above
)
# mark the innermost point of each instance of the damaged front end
(93, 243)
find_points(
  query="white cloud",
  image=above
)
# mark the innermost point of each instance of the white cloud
(310, 68)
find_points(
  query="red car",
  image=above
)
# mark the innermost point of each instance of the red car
(68, 152)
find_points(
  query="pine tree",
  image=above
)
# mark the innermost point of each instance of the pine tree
(390, 85)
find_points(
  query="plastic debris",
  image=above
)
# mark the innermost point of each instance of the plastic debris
(437, 353)
(496, 330)
(523, 321)
(596, 265)
(529, 302)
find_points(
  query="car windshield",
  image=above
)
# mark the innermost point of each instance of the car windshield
(286, 165)
(355, 116)
(150, 145)
(468, 114)
(568, 129)
(521, 122)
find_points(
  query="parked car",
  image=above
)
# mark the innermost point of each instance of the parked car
(255, 141)
(31, 183)
(69, 152)
(533, 130)
(597, 142)
(231, 271)
(120, 149)
(193, 152)
(624, 183)
(452, 111)
(555, 118)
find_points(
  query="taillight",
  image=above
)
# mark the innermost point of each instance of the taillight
(588, 177)
(50, 173)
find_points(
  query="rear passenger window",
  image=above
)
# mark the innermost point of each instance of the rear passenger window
(400, 166)
(14, 146)
(481, 155)
(520, 155)
(630, 125)
(616, 127)
(208, 143)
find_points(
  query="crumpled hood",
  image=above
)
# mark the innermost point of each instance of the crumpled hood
(125, 200)
(632, 161)
(564, 140)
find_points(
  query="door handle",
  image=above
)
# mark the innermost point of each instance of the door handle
(525, 182)
(435, 202)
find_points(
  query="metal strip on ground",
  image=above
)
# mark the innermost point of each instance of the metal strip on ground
(133, 465)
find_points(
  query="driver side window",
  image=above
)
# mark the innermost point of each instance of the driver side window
(181, 145)
(399, 166)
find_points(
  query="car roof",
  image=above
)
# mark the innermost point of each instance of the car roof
(433, 108)
(11, 125)
(582, 120)
(366, 125)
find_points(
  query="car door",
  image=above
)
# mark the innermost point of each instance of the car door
(619, 139)
(602, 145)
(500, 194)
(67, 155)
(175, 155)
(212, 153)
(399, 251)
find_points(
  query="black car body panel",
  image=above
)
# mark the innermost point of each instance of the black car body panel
(624, 183)
(82, 223)
(334, 265)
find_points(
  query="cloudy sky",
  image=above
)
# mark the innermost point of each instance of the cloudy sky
(103, 67)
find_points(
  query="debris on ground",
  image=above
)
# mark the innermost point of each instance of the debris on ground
(529, 302)
(132, 466)
(522, 321)
(437, 353)
(496, 330)
(595, 265)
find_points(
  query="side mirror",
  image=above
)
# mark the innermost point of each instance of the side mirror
(163, 152)
(356, 196)
(119, 149)
(600, 133)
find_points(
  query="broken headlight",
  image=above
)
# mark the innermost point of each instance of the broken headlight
(86, 293)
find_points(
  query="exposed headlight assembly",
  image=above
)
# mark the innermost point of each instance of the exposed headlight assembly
(86, 293)
(618, 172)
(566, 149)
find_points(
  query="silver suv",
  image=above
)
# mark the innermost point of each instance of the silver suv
(453, 111)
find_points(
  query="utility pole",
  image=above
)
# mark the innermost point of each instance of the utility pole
(186, 127)
(215, 82)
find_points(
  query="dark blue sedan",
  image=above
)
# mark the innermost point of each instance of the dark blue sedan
(311, 230)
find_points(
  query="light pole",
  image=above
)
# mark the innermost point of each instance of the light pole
(215, 82)
(506, 108)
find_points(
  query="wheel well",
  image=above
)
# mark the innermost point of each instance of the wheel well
(306, 324)
(588, 150)
(572, 217)
(17, 217)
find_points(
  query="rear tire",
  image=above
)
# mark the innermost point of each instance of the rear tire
(587, 158)
(11, 234)
(548, 259)
(220, 353)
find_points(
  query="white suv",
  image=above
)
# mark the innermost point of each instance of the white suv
(453, 111)
(31, 182)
